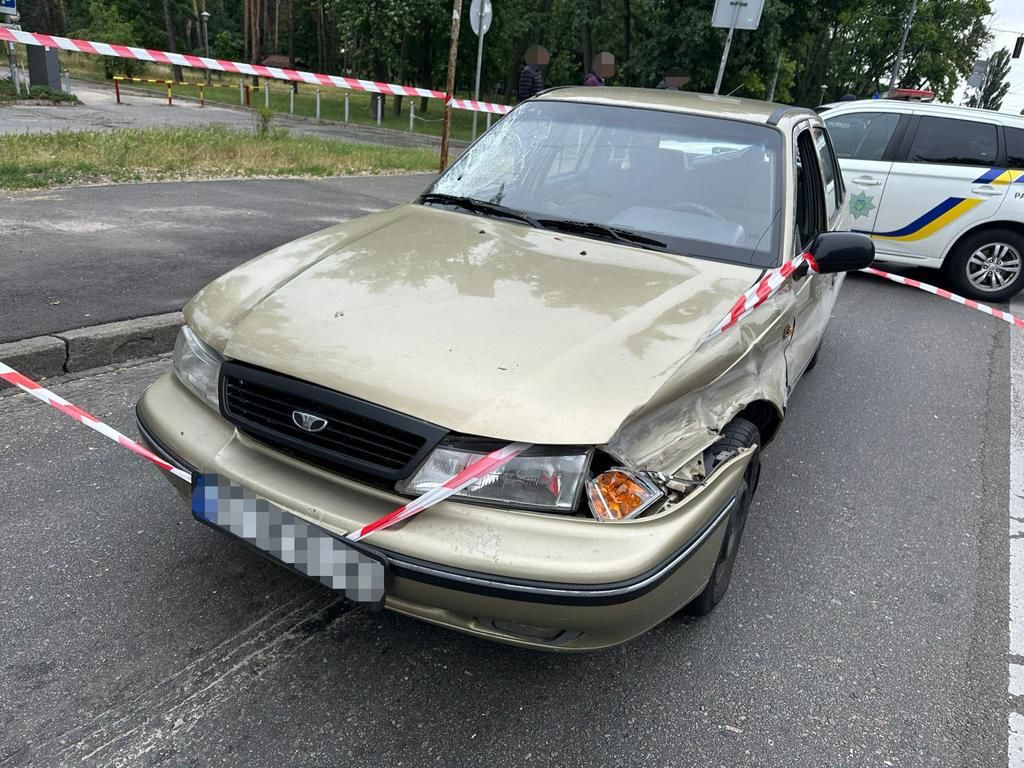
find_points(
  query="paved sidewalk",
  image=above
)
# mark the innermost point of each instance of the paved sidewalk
(141, 109)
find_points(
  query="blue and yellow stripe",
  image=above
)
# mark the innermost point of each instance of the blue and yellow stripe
(931, 222)
(1001, 176)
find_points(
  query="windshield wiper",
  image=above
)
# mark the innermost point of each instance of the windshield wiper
(603, 231)
(479, 206)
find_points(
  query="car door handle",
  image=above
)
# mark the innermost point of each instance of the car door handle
(866, 181)
(988, 191)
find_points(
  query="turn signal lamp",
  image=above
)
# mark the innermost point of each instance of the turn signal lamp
(619, 494)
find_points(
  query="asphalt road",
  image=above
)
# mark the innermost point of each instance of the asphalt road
(145, 109)
(866, 624)
(75, 257)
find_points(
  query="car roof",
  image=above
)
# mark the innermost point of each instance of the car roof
(924, 108)
(730, 107)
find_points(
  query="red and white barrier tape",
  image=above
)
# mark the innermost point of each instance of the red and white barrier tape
(474, 471)
(453, 485)
(39, 392)
(943, 293)
(480, 106)
(761, 291)
(222, 65)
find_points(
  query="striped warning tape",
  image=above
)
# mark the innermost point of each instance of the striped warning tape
(39, 392)
(760, 292)
(453, 485)
(94, 48)
(943, 293)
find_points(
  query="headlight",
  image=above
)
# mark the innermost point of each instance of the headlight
(541, 478)
(197, 366)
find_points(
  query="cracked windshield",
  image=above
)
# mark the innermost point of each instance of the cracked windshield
(699, 186)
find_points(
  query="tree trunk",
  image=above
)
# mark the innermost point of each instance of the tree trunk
(626, 30)
(63, 16)
(277, 24)
(321, 43)
(172, 44)
(401, 69)
(246, 28)
(291, 34)
(266, 20)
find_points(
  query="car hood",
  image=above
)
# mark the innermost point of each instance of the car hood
(482, 326)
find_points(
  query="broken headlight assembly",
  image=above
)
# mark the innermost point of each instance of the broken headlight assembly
(541, 478)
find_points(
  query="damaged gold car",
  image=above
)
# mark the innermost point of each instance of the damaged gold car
(557, 286)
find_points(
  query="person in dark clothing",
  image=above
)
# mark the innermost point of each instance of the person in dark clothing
(531, 79)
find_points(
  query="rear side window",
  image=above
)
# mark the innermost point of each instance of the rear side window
(862, 135)
(953, 142)
(810, 207)
(1015, 147)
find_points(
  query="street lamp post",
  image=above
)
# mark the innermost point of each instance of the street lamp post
(205, 16)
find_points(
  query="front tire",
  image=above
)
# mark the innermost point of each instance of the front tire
(738, 434)
(988, 265)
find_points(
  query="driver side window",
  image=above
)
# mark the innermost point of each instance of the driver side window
(810, 202)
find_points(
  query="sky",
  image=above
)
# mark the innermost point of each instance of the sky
(1006, 24)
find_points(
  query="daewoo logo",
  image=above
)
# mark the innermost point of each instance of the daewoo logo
(309, 422)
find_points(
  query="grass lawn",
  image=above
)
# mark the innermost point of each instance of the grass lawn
(29, 161)
(332, 100)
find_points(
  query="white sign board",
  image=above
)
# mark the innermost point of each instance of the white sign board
(738, 14)
(474, 16)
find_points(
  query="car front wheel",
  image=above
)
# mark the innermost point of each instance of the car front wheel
(738, 434)
(988, 265)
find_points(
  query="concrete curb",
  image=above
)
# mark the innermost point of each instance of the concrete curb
(98, 345)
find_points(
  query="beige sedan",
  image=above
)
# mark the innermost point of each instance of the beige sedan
(558, 286)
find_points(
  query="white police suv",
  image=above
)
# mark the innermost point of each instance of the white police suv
(937, 186)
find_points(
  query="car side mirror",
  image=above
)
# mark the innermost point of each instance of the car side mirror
(842, 251)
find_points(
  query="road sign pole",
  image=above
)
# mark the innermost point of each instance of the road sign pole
(479, 58)
(728, 43)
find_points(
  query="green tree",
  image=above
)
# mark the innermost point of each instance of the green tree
(994, 86)
(106, 25)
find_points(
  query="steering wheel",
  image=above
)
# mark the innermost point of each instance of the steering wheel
(702, 210)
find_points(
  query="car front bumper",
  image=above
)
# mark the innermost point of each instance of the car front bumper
(531, 579)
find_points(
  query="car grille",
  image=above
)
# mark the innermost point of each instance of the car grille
(360, 437)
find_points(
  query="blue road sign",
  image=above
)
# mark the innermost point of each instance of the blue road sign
(10, 7)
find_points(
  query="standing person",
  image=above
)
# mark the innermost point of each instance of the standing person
(531, 79)
(601, 69)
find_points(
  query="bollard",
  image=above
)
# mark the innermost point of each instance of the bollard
(117, 89)
(65, 81)
(317, 103)
(291, 101)
(169, 95)
(16, 74)
(346, 107)
(380, 109)
(412, 114)
(266, 95)
(488, 121)
(202, 95)
(248, 96)
(241, 93)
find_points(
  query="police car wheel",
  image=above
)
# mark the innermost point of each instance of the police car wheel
(988, 265)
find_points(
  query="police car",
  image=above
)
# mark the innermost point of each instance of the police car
(937, 186)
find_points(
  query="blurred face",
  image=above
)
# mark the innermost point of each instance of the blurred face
(537, 55)
(604, 64)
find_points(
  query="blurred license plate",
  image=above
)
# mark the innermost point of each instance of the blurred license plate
(288, 538)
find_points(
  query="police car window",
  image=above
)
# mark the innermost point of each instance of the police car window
(953, 142)
(833, 185)
(862, 135)
(1015, 147)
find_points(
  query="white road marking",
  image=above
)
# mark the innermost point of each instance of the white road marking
(1015, 746)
